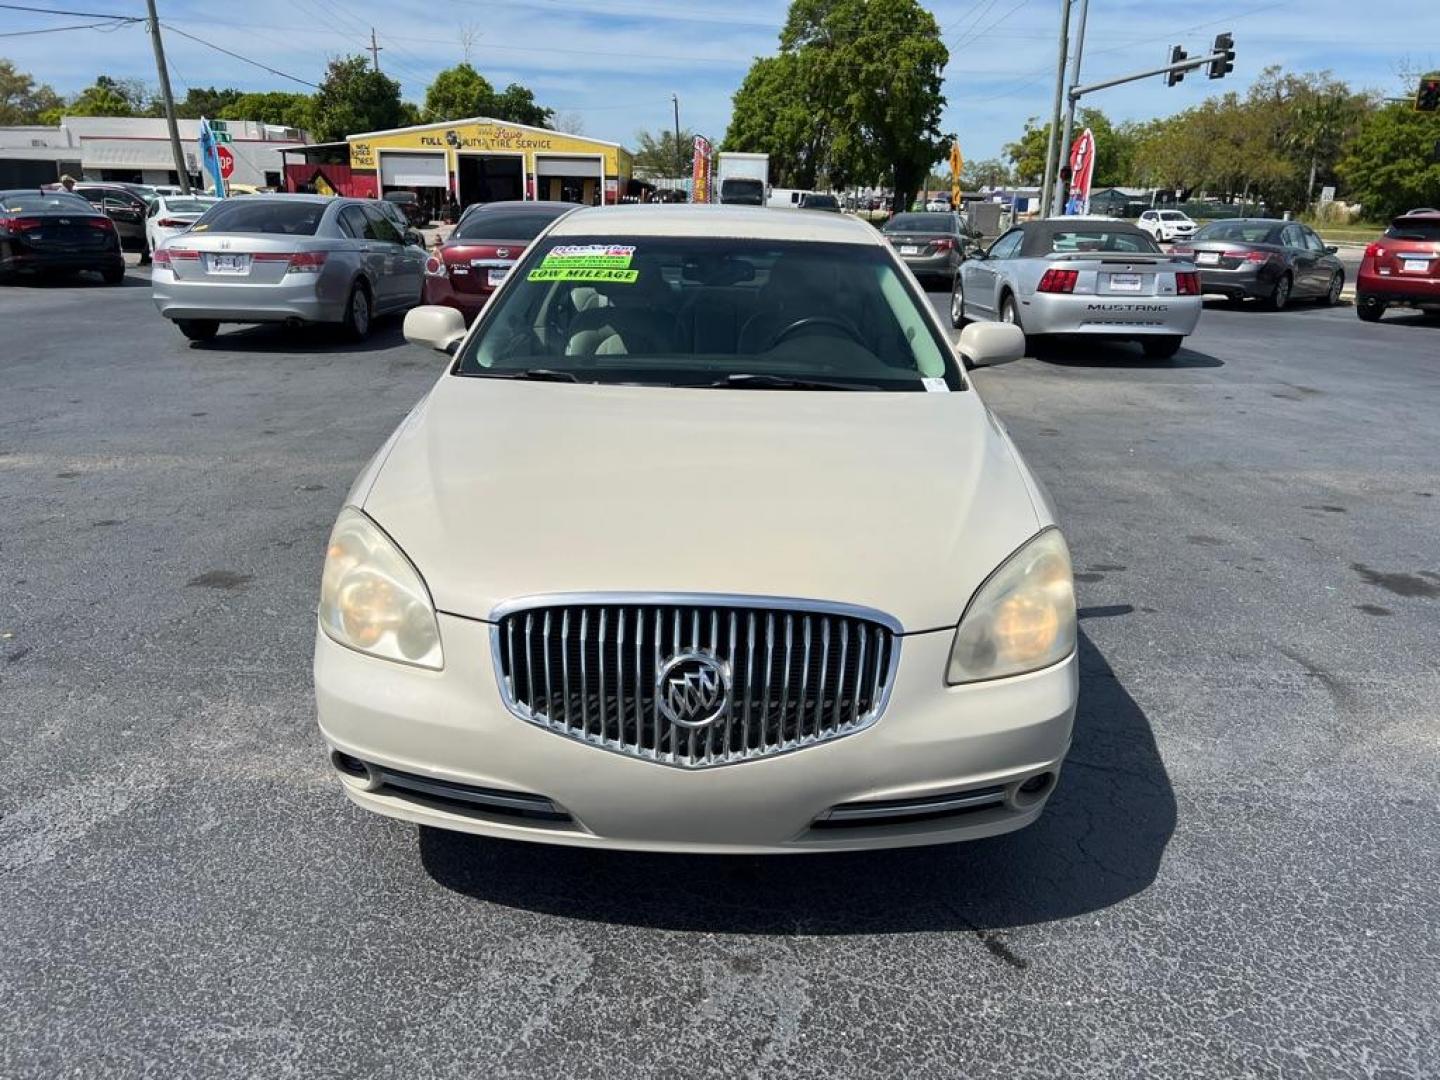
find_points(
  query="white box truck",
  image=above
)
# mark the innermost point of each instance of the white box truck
(742, 179)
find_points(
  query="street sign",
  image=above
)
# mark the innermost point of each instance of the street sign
(1327, 194)
(227, 161)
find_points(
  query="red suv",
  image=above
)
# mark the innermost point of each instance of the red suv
(489, 240)
(1402, 268)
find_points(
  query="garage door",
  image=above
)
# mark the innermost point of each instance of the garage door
(566, 166)
(413, 170)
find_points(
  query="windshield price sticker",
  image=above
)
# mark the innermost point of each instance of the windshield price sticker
(583, 273)
(935, 386)
(596, 256)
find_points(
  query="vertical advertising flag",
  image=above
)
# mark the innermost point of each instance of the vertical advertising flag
(210, 156)
(700, 171)
(1082, 170)
(957, 163)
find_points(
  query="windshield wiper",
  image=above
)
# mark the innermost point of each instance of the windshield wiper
(538, 374)
(758, 381)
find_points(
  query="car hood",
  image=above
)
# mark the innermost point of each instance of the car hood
(902, 502)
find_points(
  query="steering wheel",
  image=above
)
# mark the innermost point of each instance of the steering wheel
(812, 321)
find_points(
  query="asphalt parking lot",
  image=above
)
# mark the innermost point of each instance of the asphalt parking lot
(1237, 876)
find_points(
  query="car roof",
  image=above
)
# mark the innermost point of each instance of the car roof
(512, 205)
(712, 220)
(284, 196)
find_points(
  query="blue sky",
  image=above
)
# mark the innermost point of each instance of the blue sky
(611, 65)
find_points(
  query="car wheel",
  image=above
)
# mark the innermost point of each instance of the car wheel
(1162, 348)
(1369, 309)
(1010, 311)
(1280, 295)
(957, 305)
(113, 275)
(358, 313)
(198, 329)
(1337, 283)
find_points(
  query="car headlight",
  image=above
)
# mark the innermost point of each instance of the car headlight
(1022, 619)
(372, 599)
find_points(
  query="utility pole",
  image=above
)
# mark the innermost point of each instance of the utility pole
(1050, 163)
(1070, 111)
(375, 48)
(182, 172)
(679, 154)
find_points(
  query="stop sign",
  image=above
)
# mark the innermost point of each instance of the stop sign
(227, 161)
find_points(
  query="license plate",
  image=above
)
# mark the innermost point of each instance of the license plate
(228, 264)
(909, 249)
(498, 274)
(1414, 266)
(1124, 282)
(1207, 258)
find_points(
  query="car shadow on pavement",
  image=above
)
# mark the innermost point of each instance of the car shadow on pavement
(1099, 841)
(385, 333)
(70, 282)
(1116, 354)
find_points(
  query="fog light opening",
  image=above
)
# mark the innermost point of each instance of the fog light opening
(355, 769)
(1034, 788)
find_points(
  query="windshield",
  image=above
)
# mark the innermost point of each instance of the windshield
(1244, 232)
(1122, 239)
(188, 206)
(504, 225)
(288, 218)
(22, 202)
(1172, 215)
(920, 223)
(688, 311)
(820, 202)
(1414, 229)
(743, 192)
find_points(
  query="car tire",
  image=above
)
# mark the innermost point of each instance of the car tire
(957, 305)
(198, 329)
(1010, 311)
(1368, 309)
(1161, 348)
(359, 313)
(113, 275)
(1337, 285)
(1280, 294)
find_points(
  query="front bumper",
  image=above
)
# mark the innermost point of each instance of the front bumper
(1116, 316)
(308, 298)
(932, 740)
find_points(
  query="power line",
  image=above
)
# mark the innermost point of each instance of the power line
(244, 59)
(976, 35)
(77, 14)
(55, 29)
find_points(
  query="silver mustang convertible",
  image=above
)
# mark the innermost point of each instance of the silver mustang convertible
(702, 542)
(287, 259)
(1098, 278)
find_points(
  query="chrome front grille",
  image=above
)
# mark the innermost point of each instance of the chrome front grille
(790, 674)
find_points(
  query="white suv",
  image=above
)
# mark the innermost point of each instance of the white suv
(1167, 225)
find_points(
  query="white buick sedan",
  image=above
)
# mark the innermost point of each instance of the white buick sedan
(702, 542)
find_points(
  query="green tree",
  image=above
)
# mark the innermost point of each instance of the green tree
(22, 101)
(853, 95)
(658, 154)
(274, 107)
(989, 173)
(208, 102)
(1027, 153)
(461, 92)
(1114, 149)
(104, 98)
(1392, 165)
(354, 98)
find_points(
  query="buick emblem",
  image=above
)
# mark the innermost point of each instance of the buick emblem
(692, 689)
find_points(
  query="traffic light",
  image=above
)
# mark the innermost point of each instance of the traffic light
(1427, 95)
(1176, 55)
(1224, 43)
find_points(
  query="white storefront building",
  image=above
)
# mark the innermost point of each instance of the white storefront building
(137, 150)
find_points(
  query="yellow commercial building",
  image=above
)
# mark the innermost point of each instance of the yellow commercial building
(484, 160)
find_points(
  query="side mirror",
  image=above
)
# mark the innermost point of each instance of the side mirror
(414, 239)
(987, 344)
(435, 327)
(1331, 249)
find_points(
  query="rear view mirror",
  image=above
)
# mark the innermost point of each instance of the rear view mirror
(1331, 249)
(436, 327)
(986, 344)
(414, 239)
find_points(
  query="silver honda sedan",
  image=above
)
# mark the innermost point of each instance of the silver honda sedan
(290, 259)
(1093, 277)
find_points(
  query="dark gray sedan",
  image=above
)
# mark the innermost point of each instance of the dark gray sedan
(1265, 259)
(932, 244)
